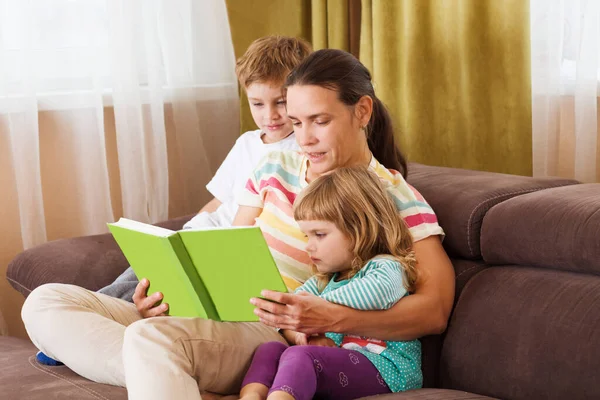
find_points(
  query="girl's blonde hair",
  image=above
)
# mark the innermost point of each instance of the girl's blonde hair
(355, 200)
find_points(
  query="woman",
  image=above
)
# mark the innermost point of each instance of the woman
(337, 117)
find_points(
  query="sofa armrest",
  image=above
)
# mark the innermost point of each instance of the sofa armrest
(91, 262)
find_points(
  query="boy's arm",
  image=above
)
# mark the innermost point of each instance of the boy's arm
(221, 184)
(211, 206)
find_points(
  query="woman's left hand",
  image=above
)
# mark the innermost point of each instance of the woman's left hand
(302, 312)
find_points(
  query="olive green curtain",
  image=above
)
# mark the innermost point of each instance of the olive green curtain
(455, 74)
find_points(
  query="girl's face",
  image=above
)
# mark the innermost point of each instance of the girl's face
(329, 248)
(328, 131)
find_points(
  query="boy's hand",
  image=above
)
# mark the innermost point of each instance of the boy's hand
(321, 340)
(146, 305)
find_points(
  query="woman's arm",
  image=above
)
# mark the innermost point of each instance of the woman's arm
(246, 216)
(425, 312)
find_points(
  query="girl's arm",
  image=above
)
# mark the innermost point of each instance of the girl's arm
(425, 312)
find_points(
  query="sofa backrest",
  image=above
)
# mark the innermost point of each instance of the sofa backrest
(526, 327)
(461, 198)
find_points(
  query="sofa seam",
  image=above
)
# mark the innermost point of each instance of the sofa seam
(59, 376)
(18, 284)
(471, 253)
(465, 271)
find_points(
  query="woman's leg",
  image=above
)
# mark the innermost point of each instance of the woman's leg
(83, 329)
(172, 358)
(327, 373)
(260, 376)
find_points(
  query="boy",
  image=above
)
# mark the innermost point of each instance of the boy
(261, 71)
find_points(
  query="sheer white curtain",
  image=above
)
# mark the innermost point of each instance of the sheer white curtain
(152, 80)
(565, 73)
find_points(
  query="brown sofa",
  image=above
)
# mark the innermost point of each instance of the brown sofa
(527, 258)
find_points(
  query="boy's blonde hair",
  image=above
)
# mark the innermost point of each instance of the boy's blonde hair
(355, 200)
(270, 59)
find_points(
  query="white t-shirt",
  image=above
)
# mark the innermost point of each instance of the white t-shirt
(232, 175)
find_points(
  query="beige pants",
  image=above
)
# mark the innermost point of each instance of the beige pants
(105, 340)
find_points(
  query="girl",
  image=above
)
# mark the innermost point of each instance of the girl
(362, 257)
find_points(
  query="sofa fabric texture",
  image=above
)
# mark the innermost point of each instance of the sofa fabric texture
(568, 216)
(525, 333)
(461, 198)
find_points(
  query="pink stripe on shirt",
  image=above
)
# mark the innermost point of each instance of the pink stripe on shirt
(273, 183)
(418, 219)
(293, 252)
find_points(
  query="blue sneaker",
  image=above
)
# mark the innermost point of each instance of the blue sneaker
(44, 359)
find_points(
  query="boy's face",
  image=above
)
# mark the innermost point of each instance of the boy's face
(267, 105)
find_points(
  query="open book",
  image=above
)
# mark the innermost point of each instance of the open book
(210, 273)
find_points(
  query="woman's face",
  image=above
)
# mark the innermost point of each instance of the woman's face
(328, 131)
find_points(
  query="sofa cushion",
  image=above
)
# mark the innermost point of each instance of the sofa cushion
(23, 378)
(525, 333)
(429, 394)
(461, 198)
(464, 270)
(88, 261)
(557, 228)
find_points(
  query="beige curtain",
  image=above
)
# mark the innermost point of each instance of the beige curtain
(565, 71)
(108, 109)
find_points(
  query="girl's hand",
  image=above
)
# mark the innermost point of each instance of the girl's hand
(302, 312)
(146, 305)
(321, 340)
(301, 339)
(295, 338)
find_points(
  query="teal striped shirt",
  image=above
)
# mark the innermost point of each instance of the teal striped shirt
(377, 286)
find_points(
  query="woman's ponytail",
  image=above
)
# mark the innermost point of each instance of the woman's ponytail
(380, 137)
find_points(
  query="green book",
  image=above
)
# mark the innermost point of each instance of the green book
(208, 273)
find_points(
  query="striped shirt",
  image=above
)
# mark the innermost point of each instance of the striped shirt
(274, 186)
(377, 286)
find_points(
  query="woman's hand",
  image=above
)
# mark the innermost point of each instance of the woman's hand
(302, 312)
(146, 305)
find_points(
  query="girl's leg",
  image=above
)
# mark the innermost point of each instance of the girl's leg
(327, 373)
(83, 329)
(175, 358)
(261, 374)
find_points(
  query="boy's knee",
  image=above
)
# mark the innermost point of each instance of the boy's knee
(156, 330)
(137, 330)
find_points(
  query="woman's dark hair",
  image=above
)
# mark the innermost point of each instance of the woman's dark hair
(341, 71)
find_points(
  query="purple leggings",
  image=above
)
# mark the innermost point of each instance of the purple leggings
(315, 371)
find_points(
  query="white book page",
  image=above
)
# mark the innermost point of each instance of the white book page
(218, 228)
(144, 228)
